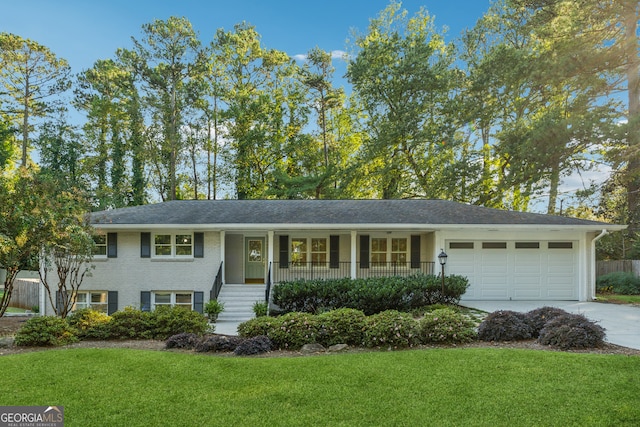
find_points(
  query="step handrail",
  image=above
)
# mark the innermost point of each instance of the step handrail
(217, 284)
(267, 290)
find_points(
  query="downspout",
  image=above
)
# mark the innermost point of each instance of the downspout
(593, 263)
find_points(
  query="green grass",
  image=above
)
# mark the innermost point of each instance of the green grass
(626, 299)
(496, 387)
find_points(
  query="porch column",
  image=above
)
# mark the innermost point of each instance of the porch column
(354, 254)
(270, 234)
(222, 251)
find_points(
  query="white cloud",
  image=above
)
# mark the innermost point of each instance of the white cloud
(335, 54)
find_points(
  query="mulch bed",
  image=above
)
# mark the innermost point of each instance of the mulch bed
(9, 325)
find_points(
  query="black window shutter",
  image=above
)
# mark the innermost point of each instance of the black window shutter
(112, 299)
(364, 251)
(145, 301)
(198, 245)
(198, 302)
(145, 245)
(415, 251)
(284, 251)
(334, 251)
(112, 245)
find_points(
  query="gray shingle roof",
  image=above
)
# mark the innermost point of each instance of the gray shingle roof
(238, 212)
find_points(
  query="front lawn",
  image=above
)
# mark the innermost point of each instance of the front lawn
(114, 387)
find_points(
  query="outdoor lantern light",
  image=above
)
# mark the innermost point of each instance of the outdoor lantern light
(443, 260)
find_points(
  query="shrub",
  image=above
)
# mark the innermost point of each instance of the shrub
(294, 331)
(539, 317)
(445, 325)
(213, 308)
(167, 321)
(258, 326)
(218, 343)
(504, 325)
(130, 323)
(341, 326)
(572, 331)
(619, 282)
(90, 324)
(45, 331)
(256, 345)
(183, 340)
(391, 329)
(371, 296)
(260, 308)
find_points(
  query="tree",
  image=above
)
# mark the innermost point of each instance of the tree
(169, 59)
(30, 73)
(61, 153)
(403, 77)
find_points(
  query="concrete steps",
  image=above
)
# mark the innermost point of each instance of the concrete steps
(238, 302)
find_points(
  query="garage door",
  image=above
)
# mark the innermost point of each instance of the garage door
(516, 270)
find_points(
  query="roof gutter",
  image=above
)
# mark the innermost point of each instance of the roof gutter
(603, 233)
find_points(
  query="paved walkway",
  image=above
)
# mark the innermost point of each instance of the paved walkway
(621, 322)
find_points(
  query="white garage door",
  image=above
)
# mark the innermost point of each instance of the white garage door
(516, 270)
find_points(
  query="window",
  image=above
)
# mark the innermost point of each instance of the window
(527, 245)
(100, 247)
(385, 249)
(314, 250)
(494, 245)
(560, 245)
(171, 299)
(95, 300)
(460, 245)
(173, 245)
(378, 251)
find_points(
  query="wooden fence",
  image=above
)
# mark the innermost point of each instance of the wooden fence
(626, 265)
(25, 294)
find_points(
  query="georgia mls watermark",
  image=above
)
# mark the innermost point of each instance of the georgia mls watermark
(31, 416)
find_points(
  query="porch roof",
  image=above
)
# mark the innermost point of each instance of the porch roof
(413, 212)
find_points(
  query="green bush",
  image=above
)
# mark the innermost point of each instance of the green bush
(45, 331)
(391, 329)
(619, 282)
(90, 324)
(131, 323)
(341, 326)
(167, 321)
(445, 325)
(572, 331)
(251, 346)
(504, 325)
(258, 326)
(371, 296)
(294, 331)
(260, 308)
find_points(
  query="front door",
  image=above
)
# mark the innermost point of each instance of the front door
(254, 260)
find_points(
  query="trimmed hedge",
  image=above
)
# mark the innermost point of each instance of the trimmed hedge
(539, 317)
(619, 282)
(371, 296)
(572, 331)
(446, 325)
(391, 329)
(505, 325)
(45, 331)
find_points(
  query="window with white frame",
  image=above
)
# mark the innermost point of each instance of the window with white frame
(173, 245)
(171, 299)
(100, 245)
(95, 300)
(312, 249)
(389, 249)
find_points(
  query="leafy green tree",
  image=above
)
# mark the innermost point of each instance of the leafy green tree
(61, 153)
(31, 75)
(403, 76)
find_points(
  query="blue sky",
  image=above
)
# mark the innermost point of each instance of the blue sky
(83, 31)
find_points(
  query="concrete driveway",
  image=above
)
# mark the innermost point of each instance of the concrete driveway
(622, 322)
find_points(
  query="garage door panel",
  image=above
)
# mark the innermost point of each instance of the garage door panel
(516, 272)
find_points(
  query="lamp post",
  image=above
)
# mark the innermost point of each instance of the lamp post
(443, 260)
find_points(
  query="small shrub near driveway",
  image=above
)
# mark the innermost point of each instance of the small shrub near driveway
(45, 331)
(505, 325)
(445, 325)
(572, 331)
(539, 317)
